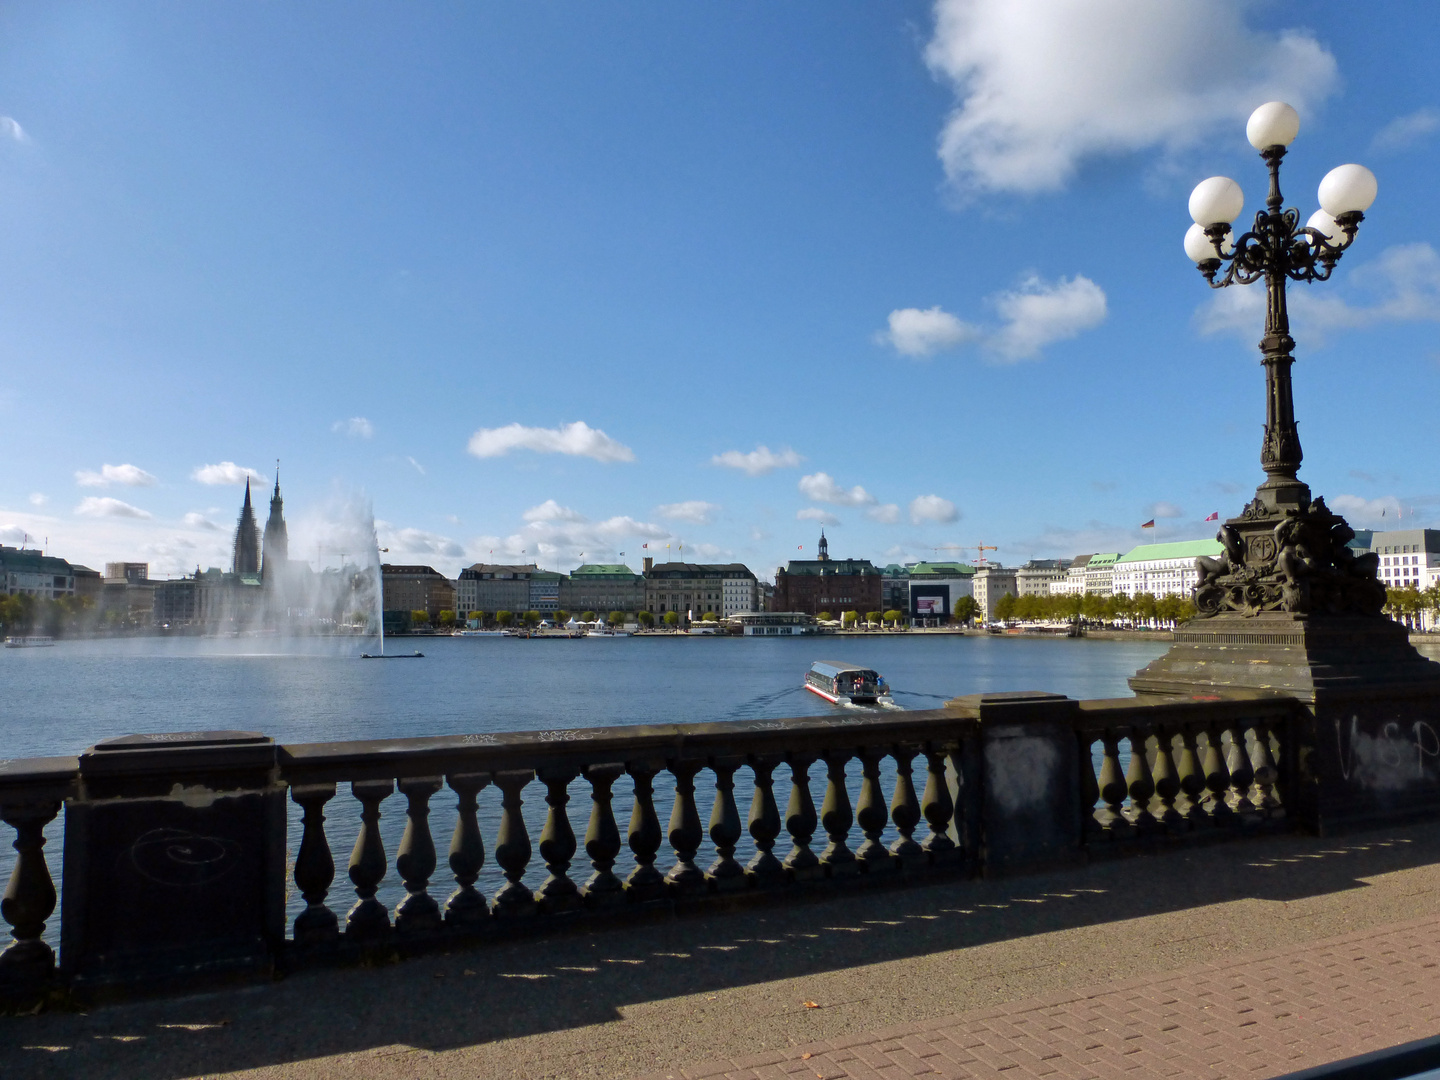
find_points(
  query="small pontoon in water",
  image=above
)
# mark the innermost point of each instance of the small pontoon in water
(847, 684)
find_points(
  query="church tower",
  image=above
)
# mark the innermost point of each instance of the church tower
(824, 547)
(247, 540)
(277, 540)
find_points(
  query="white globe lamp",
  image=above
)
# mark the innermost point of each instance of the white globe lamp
(1346, 189)
(1272, 124)
(1216, 201)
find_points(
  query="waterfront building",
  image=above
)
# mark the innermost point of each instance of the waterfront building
(1162, 569)
(415, 588)
(895, 588)
(492, 587)
(602, 588)
(1073, 581)
(1100, 573)
(774, 623)
(935, 587)
(990, 583)
(88, 583)
(544, 591)
(695, 589)
(1037, 576)
(1408, 557)
(27, 572)
(136, 573)
(825, 584)
(246, 559)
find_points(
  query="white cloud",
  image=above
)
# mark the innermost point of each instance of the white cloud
(126, 475)
(13, 535)
(357, 427)
(577, 440)
(104, 506)
(555, 540)
(10, 129)
(227, 472)
(415, 542)
(1406, 130)
(1165, 510)
(1402, 285)
(200, 521)
(932, 508)
(1381, 513)
(917, 332)
(821, 487)
(1042, 87)
(759, 461)
(1035, 315)
(814, 513)
(418, 467)
(1038, 314)
(38, 499)
(550, 510)
(888, 514)
(694, 511)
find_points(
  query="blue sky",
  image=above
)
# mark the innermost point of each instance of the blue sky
(562, 279)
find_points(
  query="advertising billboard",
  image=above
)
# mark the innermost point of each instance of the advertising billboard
(930, 605)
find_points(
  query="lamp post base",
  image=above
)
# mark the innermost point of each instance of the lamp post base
(1367, 749)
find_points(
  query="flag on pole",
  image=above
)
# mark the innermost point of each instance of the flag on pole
(644, 545)
(1149, 524)
(1214, 517)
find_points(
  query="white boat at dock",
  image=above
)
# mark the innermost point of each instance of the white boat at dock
(29, 641)
(848, 684)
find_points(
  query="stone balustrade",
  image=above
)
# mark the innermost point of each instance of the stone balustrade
(177, 852)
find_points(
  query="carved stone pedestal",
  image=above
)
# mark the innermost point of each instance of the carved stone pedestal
(1369, 745)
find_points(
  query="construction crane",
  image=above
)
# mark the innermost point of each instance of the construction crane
(980, 550)
(948, 547)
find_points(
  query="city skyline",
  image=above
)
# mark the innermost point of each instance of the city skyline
(545, 283)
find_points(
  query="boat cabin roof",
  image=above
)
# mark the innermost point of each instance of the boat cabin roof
(833, 668)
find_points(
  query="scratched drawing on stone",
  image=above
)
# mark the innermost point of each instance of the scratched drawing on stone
(1399, 755)
(179, 858)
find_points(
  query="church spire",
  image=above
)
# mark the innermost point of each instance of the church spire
(824, 547)
(277, 539)
(247, 539)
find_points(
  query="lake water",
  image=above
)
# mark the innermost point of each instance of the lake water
(64, 699)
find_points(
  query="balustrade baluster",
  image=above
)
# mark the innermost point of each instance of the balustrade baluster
(602, 838)
(801, 863)
(1167, 783)
(1262, 761)
(905, 811)
(1089, 785)
(1241, 773)
(557, 843)
(764, 870)
(418, 913)
(725, 873)
(872, 815)
(1112, 788)
(512, 846)
(938, 807)
(27, 963)
(836, 817)
(314, 867)
(645, 882)
(1217, 778)
(685, 833)
(1192, 778)
(466, 907)
(1140, 782)
(368, 920)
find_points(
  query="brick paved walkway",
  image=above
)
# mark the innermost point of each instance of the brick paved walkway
(1272, 1013)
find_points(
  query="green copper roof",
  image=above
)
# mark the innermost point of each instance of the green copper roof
(1180, 549)
(1107, 557)
(603, 569)
(942, 569)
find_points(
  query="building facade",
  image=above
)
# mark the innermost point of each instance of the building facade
(1100, 573)
(1072, 582)
(990, 584)
(934, 588)
(895, 588)
(1038, 576)
(1161, 569)
(545, 592)
(695, 589)
(27, 572)
(825, 584)
(492, 587)
(1408, 557)
(602, 588)
(415, 588)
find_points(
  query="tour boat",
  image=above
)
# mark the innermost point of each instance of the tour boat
(847, 684)
(30, 641)
(607, 633)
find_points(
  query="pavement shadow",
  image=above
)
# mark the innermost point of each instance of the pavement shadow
(551, 983)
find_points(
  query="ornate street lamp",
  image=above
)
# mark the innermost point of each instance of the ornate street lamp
(1285, 552)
